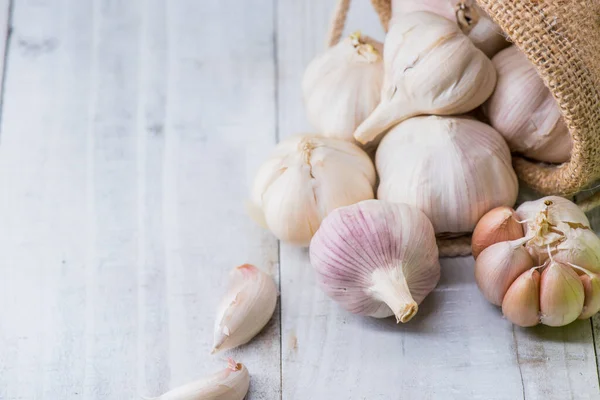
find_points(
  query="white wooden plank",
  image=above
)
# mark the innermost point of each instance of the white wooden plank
(124, 162)
(457, 347)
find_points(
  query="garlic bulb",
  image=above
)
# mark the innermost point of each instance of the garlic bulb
(304, 180)
(498, 225)
(453, 169)
(566, 283)
(247, 307)
(498, 266)
(376, 258)
(523, 110)
(229, 384)
(430, 67)
(521, 304)
(343, 86)
(472, 20)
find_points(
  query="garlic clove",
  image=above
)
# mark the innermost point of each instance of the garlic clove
(498, 225)
(524, 111)
(342, 86)
(306, 178)
(246, 308)
(591, 288)
(521, 304)
(581, 246)
(417, 44)
(498, 266)
(376, 258)
(231, 383)
(454, 169)
(561, 295)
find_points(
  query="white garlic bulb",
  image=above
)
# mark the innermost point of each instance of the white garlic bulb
(304, 180)
(342, 86)
(454, 169)
(523, 110)
(231, 383)
(430, 67)
(246, 308)
(376, 258)
(472, 20)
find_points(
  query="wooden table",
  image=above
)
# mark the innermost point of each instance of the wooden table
(130, 132)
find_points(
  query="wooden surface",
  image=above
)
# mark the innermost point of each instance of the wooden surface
(130, 132)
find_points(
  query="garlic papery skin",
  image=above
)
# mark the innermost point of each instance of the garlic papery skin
(305, 179)
(472, 20)
(523, 110)
(497, 225)
(453, 169)
(430, 67)
(561, 295)
(232, 383)
(246, 308)
(581, 246)
(376, 258)
(591, 288)
(342, 86)
(498, 266)
(521, 303)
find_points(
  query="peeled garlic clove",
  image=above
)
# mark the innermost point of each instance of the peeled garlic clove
(306, 178)
(453, 169)
(581, 247)
(498, 266)
(497, 225)
(229, 384)
(591, 288)
(521, 304)
(376, 258)
(430, 67)
(342, 86)
(246, 308)
(472, 20)
(561, 295)
(524, 111)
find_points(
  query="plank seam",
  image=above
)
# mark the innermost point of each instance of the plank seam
(595, 350)
(8, 40)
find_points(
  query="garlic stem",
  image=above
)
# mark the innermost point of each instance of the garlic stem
(390, 287)
(381, 119)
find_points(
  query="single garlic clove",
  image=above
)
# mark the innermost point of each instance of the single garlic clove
(454, 169)
(561, 295)
(581, 246)
(521, 304)
(524, 111)
(305, 178)
(246, 308)
(232, 383)
(591, 288)
(342, 86)
(376, 258)
(430, 67)
(498, 266)
(498, 225)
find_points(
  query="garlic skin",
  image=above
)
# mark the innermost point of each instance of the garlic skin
(498, 266)
(472, 20)
(580, 247)
(342, 86)
(521, 304)
(246, 308)
(497, 225)
(523, 110)
(430, 67)
(376, 258)
(232, 383)
(591, 288)
(304, 180)
(454, 169)
(561, 295)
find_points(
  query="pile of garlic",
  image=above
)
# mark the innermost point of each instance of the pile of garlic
(547, 272)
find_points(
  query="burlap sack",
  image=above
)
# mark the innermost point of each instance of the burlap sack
(562, 39)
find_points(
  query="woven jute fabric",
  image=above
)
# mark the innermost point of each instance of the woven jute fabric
(562, 39)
